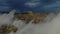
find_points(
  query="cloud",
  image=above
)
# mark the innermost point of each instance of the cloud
(43, 5)
(3, 2)
(5, 8)
(32, 4)
(35, 0)
(54, 7)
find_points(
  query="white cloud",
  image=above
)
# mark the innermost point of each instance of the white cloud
(32, 4)
(35, 0)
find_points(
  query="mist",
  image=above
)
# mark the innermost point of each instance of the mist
(51, 26)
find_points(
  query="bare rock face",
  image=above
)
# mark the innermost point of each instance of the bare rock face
(6, 29)
(28, 16)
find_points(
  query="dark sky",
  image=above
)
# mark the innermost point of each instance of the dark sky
(30, 5)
